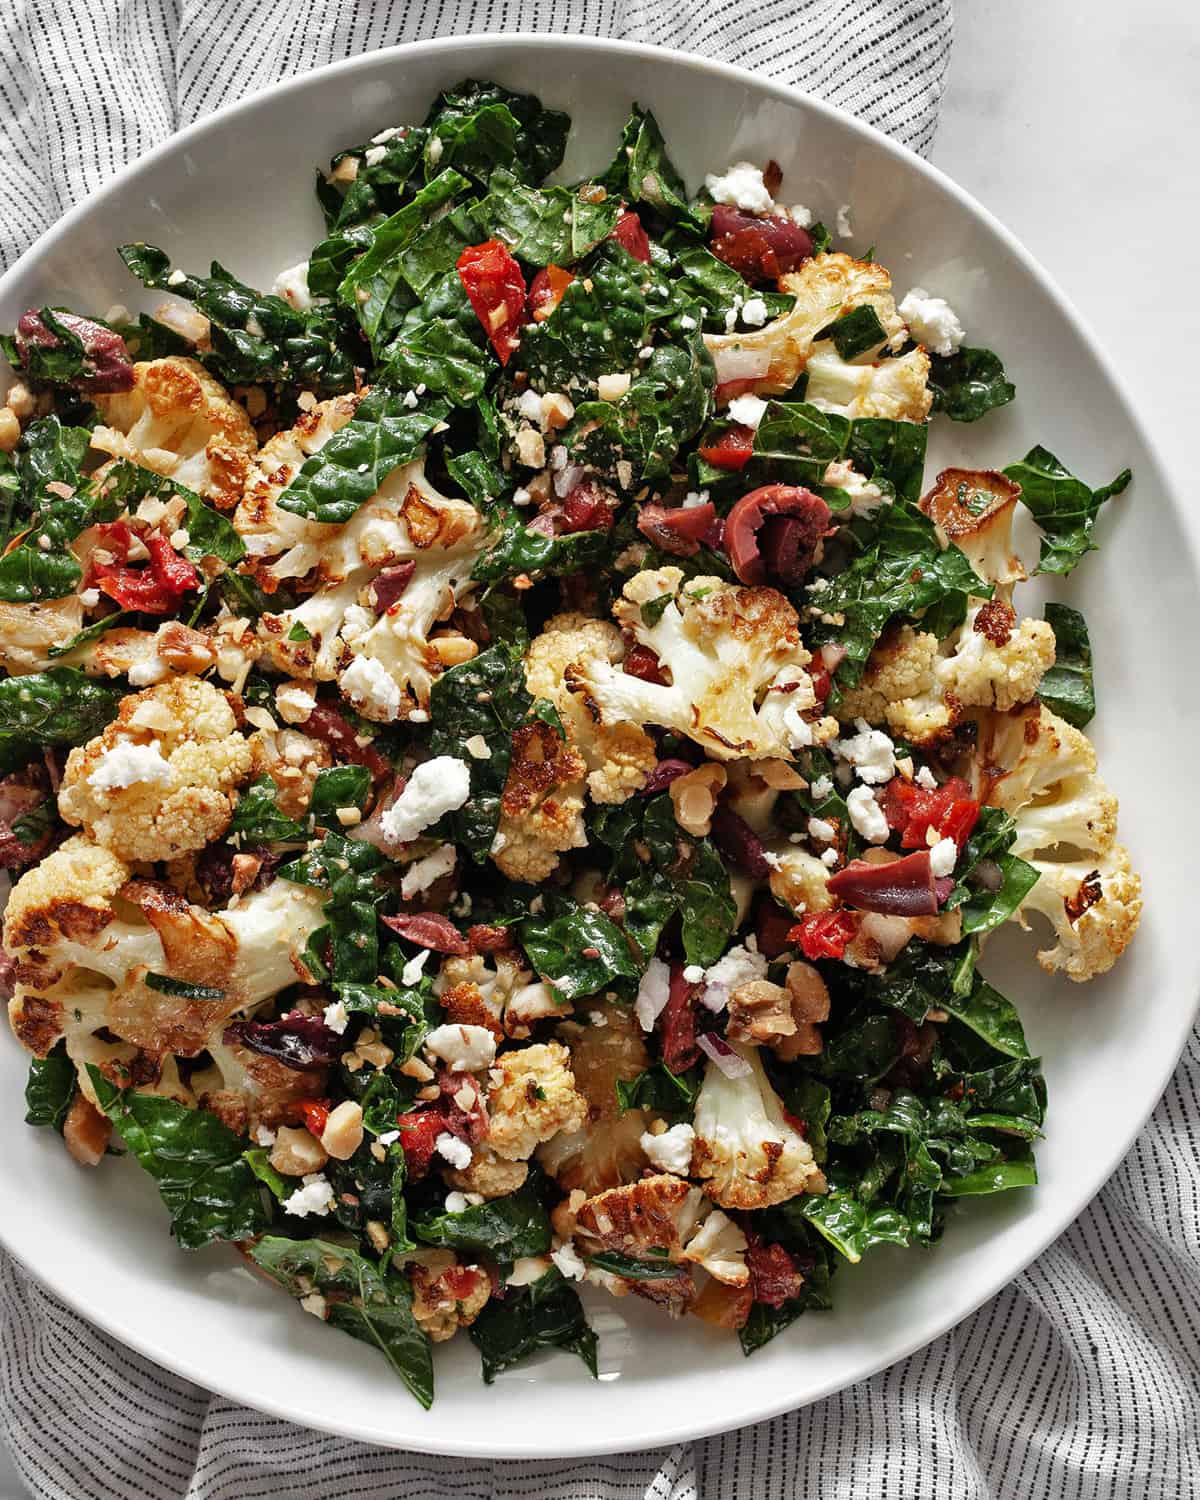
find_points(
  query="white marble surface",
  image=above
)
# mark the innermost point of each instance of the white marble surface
(1077, 124)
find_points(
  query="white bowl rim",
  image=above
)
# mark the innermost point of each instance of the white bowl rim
(175, 1358)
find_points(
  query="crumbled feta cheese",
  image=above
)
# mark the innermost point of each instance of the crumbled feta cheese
(829, 858)
(742, 186)
(932, 322)
(865, 498)
(748, 410)
(529, 405)
(821, 788)
(671, 1151)
(89, 598)
(423, 872)
(145, 673)
(738, 966)
(843, 222)
(264, 1136)
(521, 496)
(387, 135)
(337, 1017)
(867, 815)
(943, 857)
(314, 1303)
(374, 155)
(314, 1197)
(799, 731)
(294, 702)
(613, 387)
(465, 1049)
(694, 498)
(457, 1203)
(693, 974)
(292, 285)
(370, 687)
(436, 787)
(434, 151)
(870, 752)
(800, 215)
(687, 322)
(411, 973)
(409, 400)
(654, 990)
(569, 1262)
(731, 315)
(388, 1137)
(927, 779)
(754, 312)
(355, 622)
(125, 764)
(453, 1150)
(177, 277)
(818, 828)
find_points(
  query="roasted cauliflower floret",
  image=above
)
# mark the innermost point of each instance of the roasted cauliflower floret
(745, 1148)
(531, 1097)
(738, 681)
(619, 756)
(268, 531)
(181, 423)
(1042, 771)
(996, 661)
(656, 1213)
(245, 1089)
(541, 807)
(607, 1149)
(85, 937)
(799, 880)
(382, 582)
(900, 688)
(894, 388)
(719, 1246)
(974, 509)
(447, 1296)
(162, 778)
(488, 1175)
(497, 992)
(825, 288)
(29, 631)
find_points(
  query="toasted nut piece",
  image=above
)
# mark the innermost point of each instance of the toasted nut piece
(86, 1132)
(10, 429)
(778, 775)
(296, 1152)
(453, 650)
(343, 1131)
(810, 1005)
(695, 797)
(20, 401)
(378, 1235)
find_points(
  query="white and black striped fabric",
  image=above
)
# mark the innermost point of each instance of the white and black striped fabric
(1081, 1381)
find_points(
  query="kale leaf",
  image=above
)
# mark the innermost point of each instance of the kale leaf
(506, 1228)
(643, 173)
(544, 226)
(361, 1299)
(196, 1161)
(576, 950)
(1063, 506)
(1068, 688)
(982, 906)
(545, 1314)
(60, 706)
(481, 126)
(49, 1089)
(441, 344)
(968, 384)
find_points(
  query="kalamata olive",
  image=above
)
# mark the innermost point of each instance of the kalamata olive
(107, 367)
(391, 583)
(759, 549)
(739, 843)
(678, 531)
(760, 249)
(902, 888)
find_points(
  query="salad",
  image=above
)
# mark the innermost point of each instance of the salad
(509, 762)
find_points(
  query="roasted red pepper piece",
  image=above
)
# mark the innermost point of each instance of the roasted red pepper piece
(315, 1114)
(493, 282)
(824, 934)
(913, 810)
(546, 291)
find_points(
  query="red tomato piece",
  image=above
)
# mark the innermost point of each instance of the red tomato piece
(315, 1114)
(493, 282)
(913, 810)
(732, 449)
(546, 291)
(824, 934)
(628, 231)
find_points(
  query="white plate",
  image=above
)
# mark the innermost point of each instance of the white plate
(238, 187)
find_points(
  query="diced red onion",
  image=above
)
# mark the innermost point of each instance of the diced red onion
(721, 1053)
(988, 874)
(832, 656)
